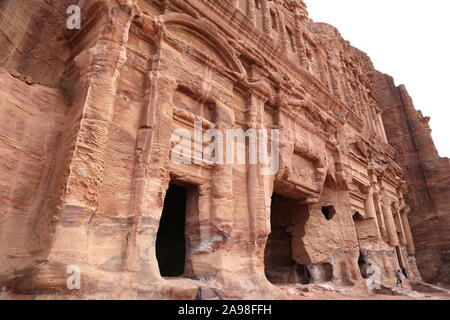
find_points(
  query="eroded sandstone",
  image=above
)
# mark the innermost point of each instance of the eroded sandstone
(86, 154)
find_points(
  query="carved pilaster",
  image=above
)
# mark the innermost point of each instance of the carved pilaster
(99, 69)
(390, 223)
(222, 196)
(259, 218)
(380, 214)
(381, 125)
(409, 237)
(267, 19)
(399, 224)
(251, 11)
(300, 42)
(151, 177)
(369, 206)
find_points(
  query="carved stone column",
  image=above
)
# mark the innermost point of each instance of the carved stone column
(267, 19)
(369, 207)
(390, 224)
(299, 41)
(408, 234)
(377, 124)
(284, 36)
(380, 214)
(99, 69)
(381, 125)
(369, 204)
(399, 225)
(368, 110)
(376, 201)
(335, 84)
(222, 196)
(251, 11)
(151, 177)
(259, 220)
(373, 119)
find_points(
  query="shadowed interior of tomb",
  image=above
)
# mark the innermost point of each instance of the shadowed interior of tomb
(358, 221)
(279, 264)
(170, 240)
(304, 277)
(329, 212)
(363, 264)
(324, 272)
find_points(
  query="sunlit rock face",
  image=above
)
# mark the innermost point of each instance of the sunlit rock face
(94, 205)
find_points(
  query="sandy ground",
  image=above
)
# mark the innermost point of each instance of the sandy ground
(328, 292)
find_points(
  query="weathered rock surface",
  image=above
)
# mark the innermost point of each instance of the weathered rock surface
(427, 175)
(91, 191)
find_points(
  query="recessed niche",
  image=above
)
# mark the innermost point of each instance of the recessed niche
(328, 212)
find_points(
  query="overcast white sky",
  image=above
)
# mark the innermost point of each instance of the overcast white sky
(408, 39)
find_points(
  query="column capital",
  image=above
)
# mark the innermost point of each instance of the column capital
(388, 202)
(396, 207)
(406, 209)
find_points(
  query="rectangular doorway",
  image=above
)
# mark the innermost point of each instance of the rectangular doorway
(278, 256)
(171, 236)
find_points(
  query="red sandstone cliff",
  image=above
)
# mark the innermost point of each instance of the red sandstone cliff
(427, 174)
(86, 118)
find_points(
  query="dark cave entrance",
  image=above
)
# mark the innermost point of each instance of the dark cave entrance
(324, 272)
(171, 239)
(280, 267)
(304, 277)
(363, 264)
(329, 212)
(358, 221)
